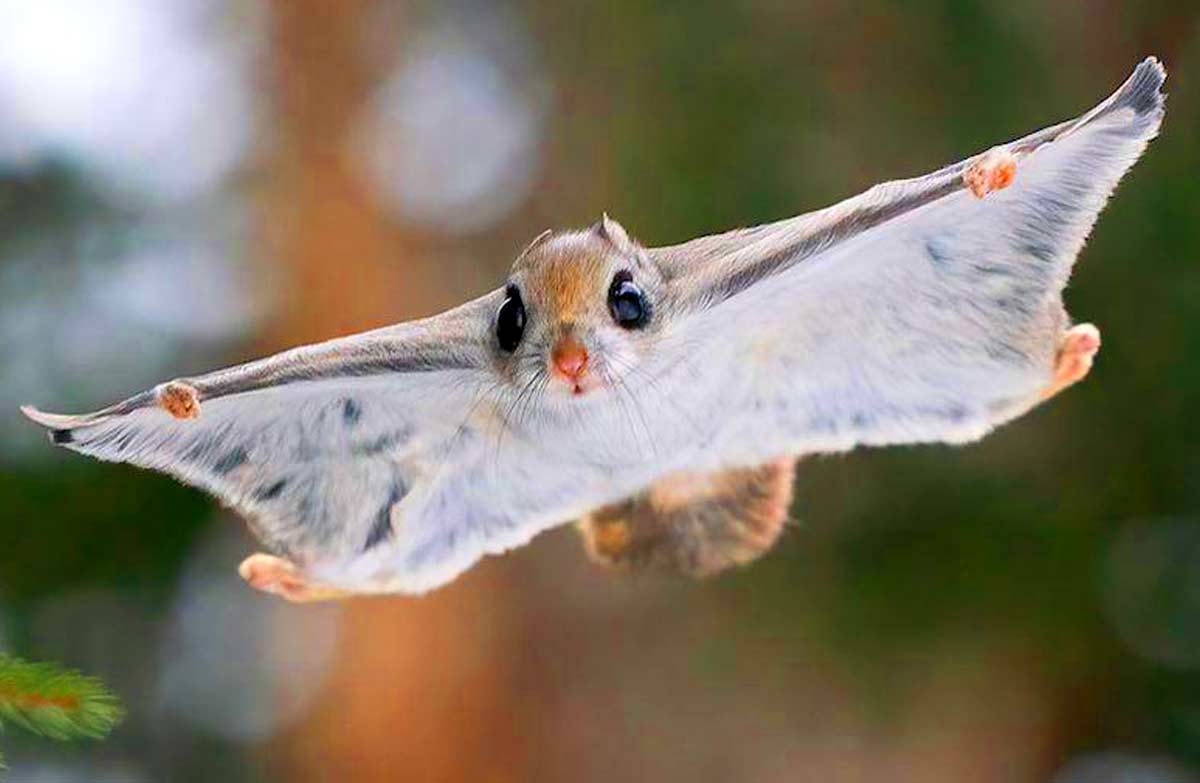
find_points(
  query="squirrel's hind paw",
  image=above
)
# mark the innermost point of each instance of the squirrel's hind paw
(283, 578)
(1076, 352)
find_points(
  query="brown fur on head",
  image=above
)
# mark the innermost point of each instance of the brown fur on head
(564, 281)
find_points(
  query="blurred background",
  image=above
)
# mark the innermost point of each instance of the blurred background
(189, 183)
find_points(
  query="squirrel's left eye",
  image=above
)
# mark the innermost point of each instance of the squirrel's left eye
(627, 303)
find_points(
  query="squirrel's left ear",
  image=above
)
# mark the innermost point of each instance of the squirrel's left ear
(611, 230)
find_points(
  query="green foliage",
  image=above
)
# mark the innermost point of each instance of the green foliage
(54, 702)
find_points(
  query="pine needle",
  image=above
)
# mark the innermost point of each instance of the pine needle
(55, 702)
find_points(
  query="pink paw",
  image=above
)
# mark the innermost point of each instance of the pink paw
(1076, 354)
(178, 399)
(272, 575)
(283, 578)
(995, 170)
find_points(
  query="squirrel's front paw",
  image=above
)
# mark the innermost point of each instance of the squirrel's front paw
(995, 170)
(178, 399)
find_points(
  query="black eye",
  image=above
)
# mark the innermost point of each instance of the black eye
(510, 320)
(627, 303)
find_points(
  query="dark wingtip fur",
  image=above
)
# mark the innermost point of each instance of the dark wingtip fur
(1141, 94)
(1143, 90)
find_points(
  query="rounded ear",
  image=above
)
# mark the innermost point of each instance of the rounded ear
(611, 230)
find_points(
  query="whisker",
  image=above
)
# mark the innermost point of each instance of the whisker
(507, 419)
(484, 392)
(627, 400)
(654, 386)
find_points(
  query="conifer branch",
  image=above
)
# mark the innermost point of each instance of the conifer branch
(55, 702)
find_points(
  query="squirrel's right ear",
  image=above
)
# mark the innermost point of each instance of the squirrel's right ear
(614, 232)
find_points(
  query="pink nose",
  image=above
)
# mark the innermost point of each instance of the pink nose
(569, 358)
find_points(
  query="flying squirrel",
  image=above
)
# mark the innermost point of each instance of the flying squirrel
(659, 396)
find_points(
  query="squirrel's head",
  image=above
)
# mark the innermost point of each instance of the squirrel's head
(579, 311)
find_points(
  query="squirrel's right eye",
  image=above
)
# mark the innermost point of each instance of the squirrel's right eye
(510, 320)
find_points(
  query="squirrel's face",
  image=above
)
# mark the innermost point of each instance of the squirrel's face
(578, 314)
